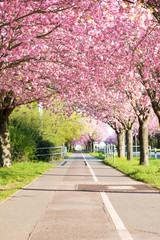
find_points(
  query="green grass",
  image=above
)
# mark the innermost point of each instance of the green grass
(20, 174)
(148, 174)
(99, 155)
(70, 153)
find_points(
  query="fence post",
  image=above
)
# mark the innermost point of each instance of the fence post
(136, 148)
(52, 154)
(65, 152)
(111, 152)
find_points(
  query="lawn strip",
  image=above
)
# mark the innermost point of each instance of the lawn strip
(148, 174)
(70, 153)
(19, 175)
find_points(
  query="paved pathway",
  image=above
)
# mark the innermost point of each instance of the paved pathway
(82, 199)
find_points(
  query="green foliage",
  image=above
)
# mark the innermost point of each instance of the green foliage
(24, 134)
(155, 141)
(30, 130)
(23, 146)
(101, 155)
(60, 129)
(20, 174)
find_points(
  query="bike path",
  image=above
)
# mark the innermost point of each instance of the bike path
(71, 202)
(136, 203)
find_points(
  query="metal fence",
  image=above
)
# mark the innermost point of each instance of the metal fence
(136, 151)
(51, 153)
(110, 151)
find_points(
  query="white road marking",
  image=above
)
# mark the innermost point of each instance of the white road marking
(121, 229)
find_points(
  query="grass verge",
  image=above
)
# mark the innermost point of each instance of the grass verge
(20, 174)
(99, 155)
(70, 153)
(148, 174)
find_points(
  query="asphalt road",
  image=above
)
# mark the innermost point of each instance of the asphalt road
(82, 199)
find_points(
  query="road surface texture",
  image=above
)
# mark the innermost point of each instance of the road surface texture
(82, 199)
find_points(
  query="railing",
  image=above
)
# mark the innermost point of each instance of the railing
(109, 151)
(136, 151)
(51, 153)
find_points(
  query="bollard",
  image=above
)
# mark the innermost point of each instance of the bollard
(155, 152)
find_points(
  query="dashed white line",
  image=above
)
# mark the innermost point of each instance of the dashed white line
(120, 227)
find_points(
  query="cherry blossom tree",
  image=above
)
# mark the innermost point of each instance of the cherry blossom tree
(154, 5)
(119, 59)
(120, 131)
(112, 139)
(72, 49)
(108, 110)
(129, 56)
(96, 131)
(35, 56)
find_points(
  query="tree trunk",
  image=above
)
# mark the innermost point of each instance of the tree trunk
(121, 143)
(88, 146)
(151, 142)
(92, 146)
(68, 146)
(129, 138)
(71, 147)
(5, 151)
(143, 139)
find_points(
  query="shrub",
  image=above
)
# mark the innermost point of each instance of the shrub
(23, 144)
